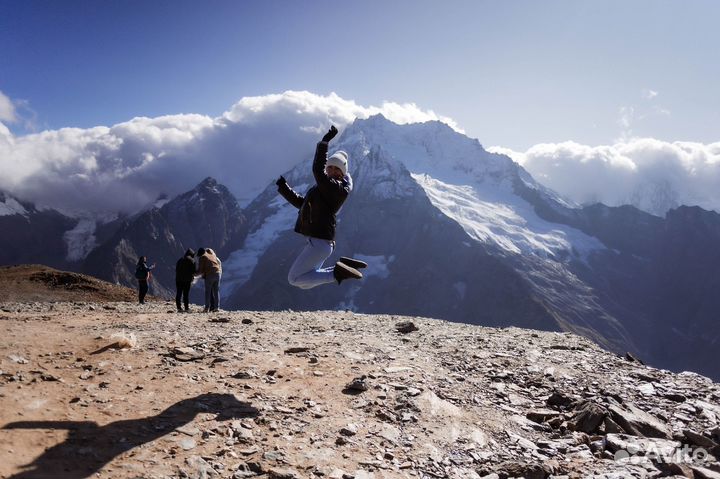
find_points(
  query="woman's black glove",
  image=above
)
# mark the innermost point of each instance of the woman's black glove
(330, 134)
(280, 181)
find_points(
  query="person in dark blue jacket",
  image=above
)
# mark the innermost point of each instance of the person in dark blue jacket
(142, 273)
(184, 275)
(317, 219)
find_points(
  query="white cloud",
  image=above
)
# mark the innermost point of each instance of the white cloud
(126, 166)
(648, 94)
(7, 109)
(650, 174)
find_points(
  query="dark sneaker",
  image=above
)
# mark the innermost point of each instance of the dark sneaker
(343, 272)
(353, 263)
(180, 310)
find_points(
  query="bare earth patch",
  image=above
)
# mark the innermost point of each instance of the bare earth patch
(119, 390)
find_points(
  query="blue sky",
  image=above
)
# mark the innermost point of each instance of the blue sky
(510, 73)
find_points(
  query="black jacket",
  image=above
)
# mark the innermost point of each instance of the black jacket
(321, 203)
(185, 269)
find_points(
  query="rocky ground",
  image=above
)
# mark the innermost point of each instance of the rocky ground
(127, 391)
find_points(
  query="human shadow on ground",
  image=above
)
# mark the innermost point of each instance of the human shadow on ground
(90, 447)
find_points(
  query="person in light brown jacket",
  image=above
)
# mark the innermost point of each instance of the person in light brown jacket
(210, 269)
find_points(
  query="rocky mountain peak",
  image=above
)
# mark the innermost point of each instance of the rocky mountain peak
(207, 183)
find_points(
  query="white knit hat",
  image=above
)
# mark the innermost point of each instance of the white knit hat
(339, 159)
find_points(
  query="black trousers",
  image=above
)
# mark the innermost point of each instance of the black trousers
(142, 290)
(183, 293)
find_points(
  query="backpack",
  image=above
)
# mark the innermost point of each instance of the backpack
(140, 272)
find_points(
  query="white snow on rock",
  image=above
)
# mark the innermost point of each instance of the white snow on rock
(241, 263)
(498, 216)
(80, 240)
(11, 207)
(465, 182)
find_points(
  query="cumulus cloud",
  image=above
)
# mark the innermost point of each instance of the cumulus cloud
(653, 175)
(123, 167)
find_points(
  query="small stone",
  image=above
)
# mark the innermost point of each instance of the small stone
(676, 397)
(284, 473)
(358, 384)
(639, 423)
(558, 399)
(406, 327)
(589, 417)
(698, 439)
(187, 354)
(541, 415)
(18, 359)
(349, 430)
(188, 444)
(297, 349)
(630, 357)
(188, 430)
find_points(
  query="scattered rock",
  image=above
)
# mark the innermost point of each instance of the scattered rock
(297, 349)
(630, 357)
(588, 417)
(637, 422)
(284, 473)
(458, 401)
(349, 430)
(542, 415)
(406, 327)
(558, 399)
(187, 354)
(17, 359)
(698, 439)
(358, 384)
(188, 444)
(219, 319)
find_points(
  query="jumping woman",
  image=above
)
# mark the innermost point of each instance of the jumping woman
(317, 218)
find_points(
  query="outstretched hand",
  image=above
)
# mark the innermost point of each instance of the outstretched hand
(281, 181)
(330, 134)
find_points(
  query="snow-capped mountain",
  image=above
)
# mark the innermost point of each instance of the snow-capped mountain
(434, 214)
(32, 235)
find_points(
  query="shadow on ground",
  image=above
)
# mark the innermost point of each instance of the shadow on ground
(90, 447)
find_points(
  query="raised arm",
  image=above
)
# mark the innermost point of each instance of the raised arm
(288, 193)
(329, 187)
(321, 155)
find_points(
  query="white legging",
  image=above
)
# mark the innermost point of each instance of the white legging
(307, 271)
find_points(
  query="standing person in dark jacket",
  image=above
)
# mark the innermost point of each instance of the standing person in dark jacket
(142, 273)
(184, 275)
(317, 219)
